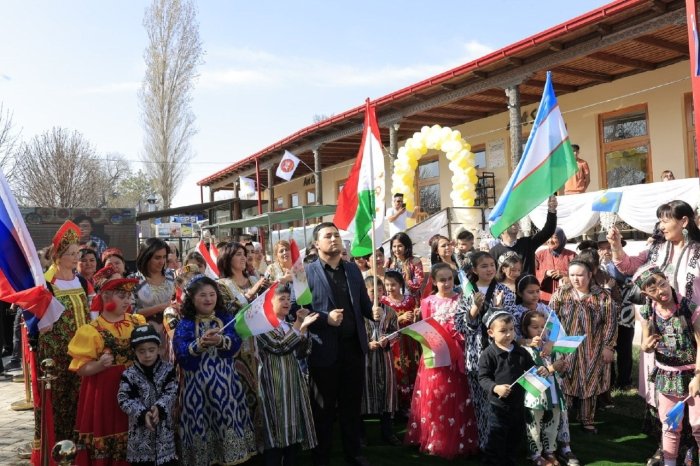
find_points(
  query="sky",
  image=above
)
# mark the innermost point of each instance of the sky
(269, 66)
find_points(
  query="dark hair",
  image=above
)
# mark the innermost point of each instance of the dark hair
(575, 147)
(591, 257)
(506, 260)
(198, 258)
(677, 210)
(475, 259)
(380, 249)
(404, 239)
(223, 262)
(652, 279)
(82, 218)
(369, 281)
(149, 248)
(434, 271)
(523, 282)
(434, 255)
(504, 317)
(526, 319)
(582, 263)
(465, 235)
(397, 277)
(283, 289)
(587, 244)
(188, 309)
(86, 251)
(398, 195)
(321, 226)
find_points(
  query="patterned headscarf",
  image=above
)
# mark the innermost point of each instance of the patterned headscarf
(644, 273)
(559, 233)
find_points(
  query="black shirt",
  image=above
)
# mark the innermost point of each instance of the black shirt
(498, 367)
(341, 295)
(527, 245)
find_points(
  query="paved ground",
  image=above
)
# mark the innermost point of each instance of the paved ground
(16, 427)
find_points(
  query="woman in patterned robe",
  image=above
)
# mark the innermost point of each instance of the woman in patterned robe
(215, 425)
(71, 292)
(584, 308)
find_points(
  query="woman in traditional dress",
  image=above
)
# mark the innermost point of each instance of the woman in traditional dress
(155, 290)
(552, 264)
(403, 261)
(215, 425)
(380, 396)
(442, 420)
(281, 267)
(88, 264)
(584, 308)
(406, 351)
(237, 290)
(101, 351)
(71, 291)
(675, 249)
(288, 421)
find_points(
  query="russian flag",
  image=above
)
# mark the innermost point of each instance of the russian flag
(21, 276)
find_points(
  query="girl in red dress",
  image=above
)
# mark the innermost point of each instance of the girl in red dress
(406, 350)
(442, 420)
(101, 351)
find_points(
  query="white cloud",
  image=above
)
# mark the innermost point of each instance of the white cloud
(232, 77)
(475, 49)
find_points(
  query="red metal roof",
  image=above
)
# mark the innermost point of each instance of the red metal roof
(548, 36)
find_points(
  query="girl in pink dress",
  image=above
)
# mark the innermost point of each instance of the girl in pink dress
(442, 420)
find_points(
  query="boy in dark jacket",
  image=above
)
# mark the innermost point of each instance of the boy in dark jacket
(500, 366)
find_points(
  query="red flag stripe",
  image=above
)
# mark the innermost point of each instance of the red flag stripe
(455, 354)
(267, 306)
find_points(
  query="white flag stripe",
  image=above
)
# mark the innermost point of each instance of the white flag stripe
(535, 381)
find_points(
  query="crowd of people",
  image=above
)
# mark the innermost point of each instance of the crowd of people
(151, 370)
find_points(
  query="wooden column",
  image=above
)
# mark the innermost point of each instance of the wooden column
(318, 188)
(270, 189)
(394, 139)
(236, 207)
(516, 130)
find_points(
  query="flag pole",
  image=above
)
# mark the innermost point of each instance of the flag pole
(545, 323)
(374, 214)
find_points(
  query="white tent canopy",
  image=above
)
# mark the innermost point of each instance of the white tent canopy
(637, 207)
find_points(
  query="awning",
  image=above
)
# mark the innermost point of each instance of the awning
(283, 216)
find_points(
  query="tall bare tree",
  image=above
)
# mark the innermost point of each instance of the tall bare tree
(9, 140)
(58, 168)
(172, 57)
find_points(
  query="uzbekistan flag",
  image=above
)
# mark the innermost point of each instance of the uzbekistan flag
(467, 286)
(553, 326)
(302, 292)
(533, 383)
(362, 197)
(21, 277)
(567, 345)
(212, 271)
(257, 317)
(439, 350)
(547, 162)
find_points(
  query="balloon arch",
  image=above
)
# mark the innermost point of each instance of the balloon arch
(457, 151)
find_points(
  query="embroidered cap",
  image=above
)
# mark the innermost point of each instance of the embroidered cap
(644, 273)
(68, 234)
(490, 317)
(143, 334)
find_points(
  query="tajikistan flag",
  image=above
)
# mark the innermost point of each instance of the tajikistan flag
(302, 293)
(439, 349)
(257, 317)
(547, 162)
(362, 197)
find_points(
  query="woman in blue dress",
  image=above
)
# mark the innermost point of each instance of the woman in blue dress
(215, 426)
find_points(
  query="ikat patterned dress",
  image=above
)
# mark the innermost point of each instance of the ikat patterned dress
(215, 425)
(379, 395)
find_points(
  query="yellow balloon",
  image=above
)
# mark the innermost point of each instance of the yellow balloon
(463, 164)
(423, 150)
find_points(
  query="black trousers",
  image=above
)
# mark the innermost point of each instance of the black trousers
(336, 390)
(625, 335)
(506, 431)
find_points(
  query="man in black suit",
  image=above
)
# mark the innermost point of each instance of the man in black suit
(337, 361)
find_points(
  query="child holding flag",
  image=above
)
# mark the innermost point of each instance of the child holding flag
(543, 411)
(215, 425)
(672, 333)
(505, 368)
(287, 419)
(441, 422)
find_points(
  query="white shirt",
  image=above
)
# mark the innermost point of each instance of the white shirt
(399, 224)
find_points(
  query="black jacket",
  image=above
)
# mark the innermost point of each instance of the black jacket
(497, 367)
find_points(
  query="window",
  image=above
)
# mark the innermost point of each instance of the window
(279, 203)
(311, 197)
(625, 148)
(691, 153)
(428, 186)
(479, 156)
(294, 200)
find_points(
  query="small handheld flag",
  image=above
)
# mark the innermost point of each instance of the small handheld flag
(609, 201)
(212, 271)
(675, 415)
(439, 349)
(257, 317)
(302, 292)
(467, 286)
(533, 383)
(554, 327)
(567, 345)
